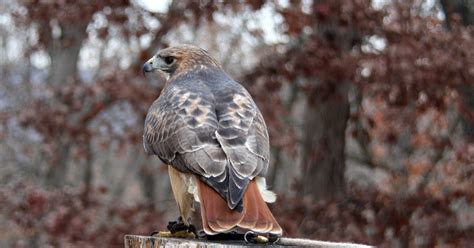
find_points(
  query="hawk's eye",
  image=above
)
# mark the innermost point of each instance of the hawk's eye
(169, 60)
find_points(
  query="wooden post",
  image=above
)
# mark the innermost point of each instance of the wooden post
(136, 241)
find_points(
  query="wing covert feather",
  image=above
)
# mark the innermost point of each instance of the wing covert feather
(242, 133)
(179, 129)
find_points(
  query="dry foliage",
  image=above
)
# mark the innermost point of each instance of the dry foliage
(404, 75)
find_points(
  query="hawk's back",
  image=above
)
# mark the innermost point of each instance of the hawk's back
(207, 124)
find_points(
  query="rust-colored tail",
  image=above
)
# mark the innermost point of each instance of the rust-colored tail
(218, 218)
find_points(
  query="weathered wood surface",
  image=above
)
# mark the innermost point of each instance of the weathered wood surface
(136, 241)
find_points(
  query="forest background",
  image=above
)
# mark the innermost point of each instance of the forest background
(369, 106)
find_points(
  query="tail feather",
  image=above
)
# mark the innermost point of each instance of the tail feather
(251, 211)
(218, 221)
(266, 220)
(217, 217)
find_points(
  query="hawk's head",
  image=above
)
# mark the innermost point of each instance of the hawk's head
(177, 59)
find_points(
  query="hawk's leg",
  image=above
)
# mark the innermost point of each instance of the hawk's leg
(180, 228)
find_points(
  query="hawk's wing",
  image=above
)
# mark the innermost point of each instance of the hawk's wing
(243, 136)
(179, 129)
(217, 134)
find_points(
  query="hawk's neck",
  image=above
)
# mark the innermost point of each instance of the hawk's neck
(205, 72)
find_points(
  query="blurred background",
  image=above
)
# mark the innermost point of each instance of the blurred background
(369, 106)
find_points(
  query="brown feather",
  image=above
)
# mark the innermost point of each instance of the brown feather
(218, 218)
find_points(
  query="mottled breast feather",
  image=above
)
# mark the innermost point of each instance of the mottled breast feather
(207, 124)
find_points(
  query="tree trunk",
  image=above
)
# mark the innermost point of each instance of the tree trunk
(465, 10)
(88, 177)
(467, 111)
(56, 173)
(324, 143)
(324, 167)
(148, 183)
(64, 53)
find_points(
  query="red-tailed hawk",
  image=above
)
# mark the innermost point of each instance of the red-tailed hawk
(208, 130)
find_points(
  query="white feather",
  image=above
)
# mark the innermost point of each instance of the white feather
(267, 195)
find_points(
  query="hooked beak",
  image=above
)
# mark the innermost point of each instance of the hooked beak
(148, 66)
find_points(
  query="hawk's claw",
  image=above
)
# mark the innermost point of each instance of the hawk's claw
(174, 226)
(192, 229)
(178, 229)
